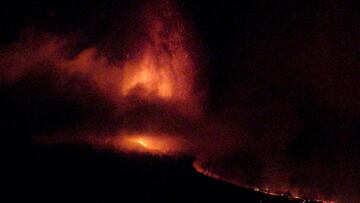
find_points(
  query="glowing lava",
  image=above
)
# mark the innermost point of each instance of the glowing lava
(142, 142)
(147, 142)
(204, 168)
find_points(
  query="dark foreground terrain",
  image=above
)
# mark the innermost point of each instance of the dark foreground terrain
(82, 174)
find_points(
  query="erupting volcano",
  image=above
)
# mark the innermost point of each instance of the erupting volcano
(160, 72)
(186, 100)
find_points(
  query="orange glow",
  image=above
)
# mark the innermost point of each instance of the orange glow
(148, 79)
(198, 165)
(142, 142)
(152, 143)
(147, 142)
(163, 67)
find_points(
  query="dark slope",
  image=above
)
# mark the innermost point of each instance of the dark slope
(81, 174)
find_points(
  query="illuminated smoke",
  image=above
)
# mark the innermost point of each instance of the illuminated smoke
(153, 91)
(157, 105)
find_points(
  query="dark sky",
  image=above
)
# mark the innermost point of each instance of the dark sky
(282, 81)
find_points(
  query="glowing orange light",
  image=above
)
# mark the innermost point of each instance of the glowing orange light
(163, 68)
(142, 142)
(147, 142)
(197, 164)
(154, 143)
(149, 78)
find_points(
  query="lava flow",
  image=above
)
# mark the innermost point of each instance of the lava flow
(205, 169)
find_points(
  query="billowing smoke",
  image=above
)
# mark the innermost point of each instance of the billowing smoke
(275, 126)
